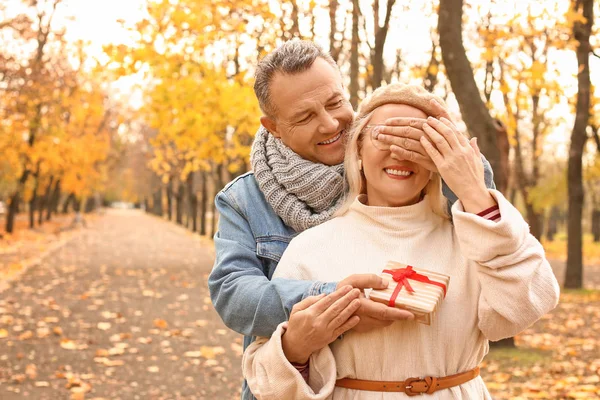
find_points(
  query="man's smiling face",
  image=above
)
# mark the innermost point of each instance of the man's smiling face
(311, 112)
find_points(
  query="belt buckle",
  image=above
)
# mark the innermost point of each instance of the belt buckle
(408, 386)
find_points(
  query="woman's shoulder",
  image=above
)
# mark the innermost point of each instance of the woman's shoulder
(319, 234)
(329, 226)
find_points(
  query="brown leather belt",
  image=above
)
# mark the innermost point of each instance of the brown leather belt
(411, 386)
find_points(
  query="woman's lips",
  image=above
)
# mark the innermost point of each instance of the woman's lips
(399, 173)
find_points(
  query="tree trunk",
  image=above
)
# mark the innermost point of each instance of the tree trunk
(70, 199)
(157, 208)
(553, 223)
(535, 220)
(354, 73)
(76, 204)
(53, 203)
(192, 202)
(179, 206)
(90, 205)
(44, 204)
(333, 48)
(34, 198)
(380, 38)
(203, 204)
(431, 74)
(581, 32)
(13, 207)
(295, 29)
(459, 72)
(170, 199)
(596, 225)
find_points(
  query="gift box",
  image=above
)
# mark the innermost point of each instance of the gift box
(416, 290)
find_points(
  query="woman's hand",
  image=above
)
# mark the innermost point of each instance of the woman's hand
(458, 161)
(374, 315)
(319, 320)
(403, 135)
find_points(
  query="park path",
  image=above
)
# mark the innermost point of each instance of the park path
(120, 312)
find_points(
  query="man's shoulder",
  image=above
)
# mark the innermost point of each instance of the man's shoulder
(244, 195)
(243, 183)
(243, 190)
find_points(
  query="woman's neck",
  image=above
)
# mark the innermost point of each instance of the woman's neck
(380, 201)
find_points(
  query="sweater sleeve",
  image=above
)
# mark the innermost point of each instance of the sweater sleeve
(270, 375)
(517, 282)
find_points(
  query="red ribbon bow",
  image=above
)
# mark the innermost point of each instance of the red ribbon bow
(402, 276)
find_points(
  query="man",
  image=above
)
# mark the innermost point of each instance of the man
(296, 183)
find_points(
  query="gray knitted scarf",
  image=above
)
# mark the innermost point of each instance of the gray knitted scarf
(303, 193)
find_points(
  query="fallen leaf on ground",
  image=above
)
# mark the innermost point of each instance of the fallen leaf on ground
(161, 323)
(26, 335)
(104, 326)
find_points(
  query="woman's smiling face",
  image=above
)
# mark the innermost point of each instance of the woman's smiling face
(391, 182)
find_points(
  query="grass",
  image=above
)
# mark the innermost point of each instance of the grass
(523, 357)
(557, 249)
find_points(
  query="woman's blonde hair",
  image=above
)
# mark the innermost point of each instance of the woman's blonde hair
(355, 178)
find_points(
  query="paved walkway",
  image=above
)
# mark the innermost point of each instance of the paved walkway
(122, 312)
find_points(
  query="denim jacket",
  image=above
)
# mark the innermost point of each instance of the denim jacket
(249, 243)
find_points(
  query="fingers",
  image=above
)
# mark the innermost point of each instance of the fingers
(433, 153)
(475, 146)
(339, 313)
(383, 312)
(307, 302)
(405, 143)
(439, 110)
(339, 308)
(404, 121)
(443, 131)
(366, 281)
(400, 131)
(459, 135)
(325, 303)
(424, 160)
(351, 323)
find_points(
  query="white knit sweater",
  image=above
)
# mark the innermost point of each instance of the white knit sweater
(500, 283)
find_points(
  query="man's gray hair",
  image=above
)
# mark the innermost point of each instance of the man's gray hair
(292, 57)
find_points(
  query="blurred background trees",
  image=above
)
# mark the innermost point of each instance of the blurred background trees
(57, 122)
(519, 75)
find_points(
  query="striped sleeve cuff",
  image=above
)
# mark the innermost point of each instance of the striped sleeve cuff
(303, 369)
(492, 213)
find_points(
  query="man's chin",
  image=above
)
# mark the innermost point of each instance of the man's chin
(331, 159)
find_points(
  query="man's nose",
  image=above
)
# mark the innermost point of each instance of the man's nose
(328, 123)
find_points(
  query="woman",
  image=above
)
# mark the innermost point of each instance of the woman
(501, 282)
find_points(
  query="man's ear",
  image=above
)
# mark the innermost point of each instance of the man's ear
(270, 125)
